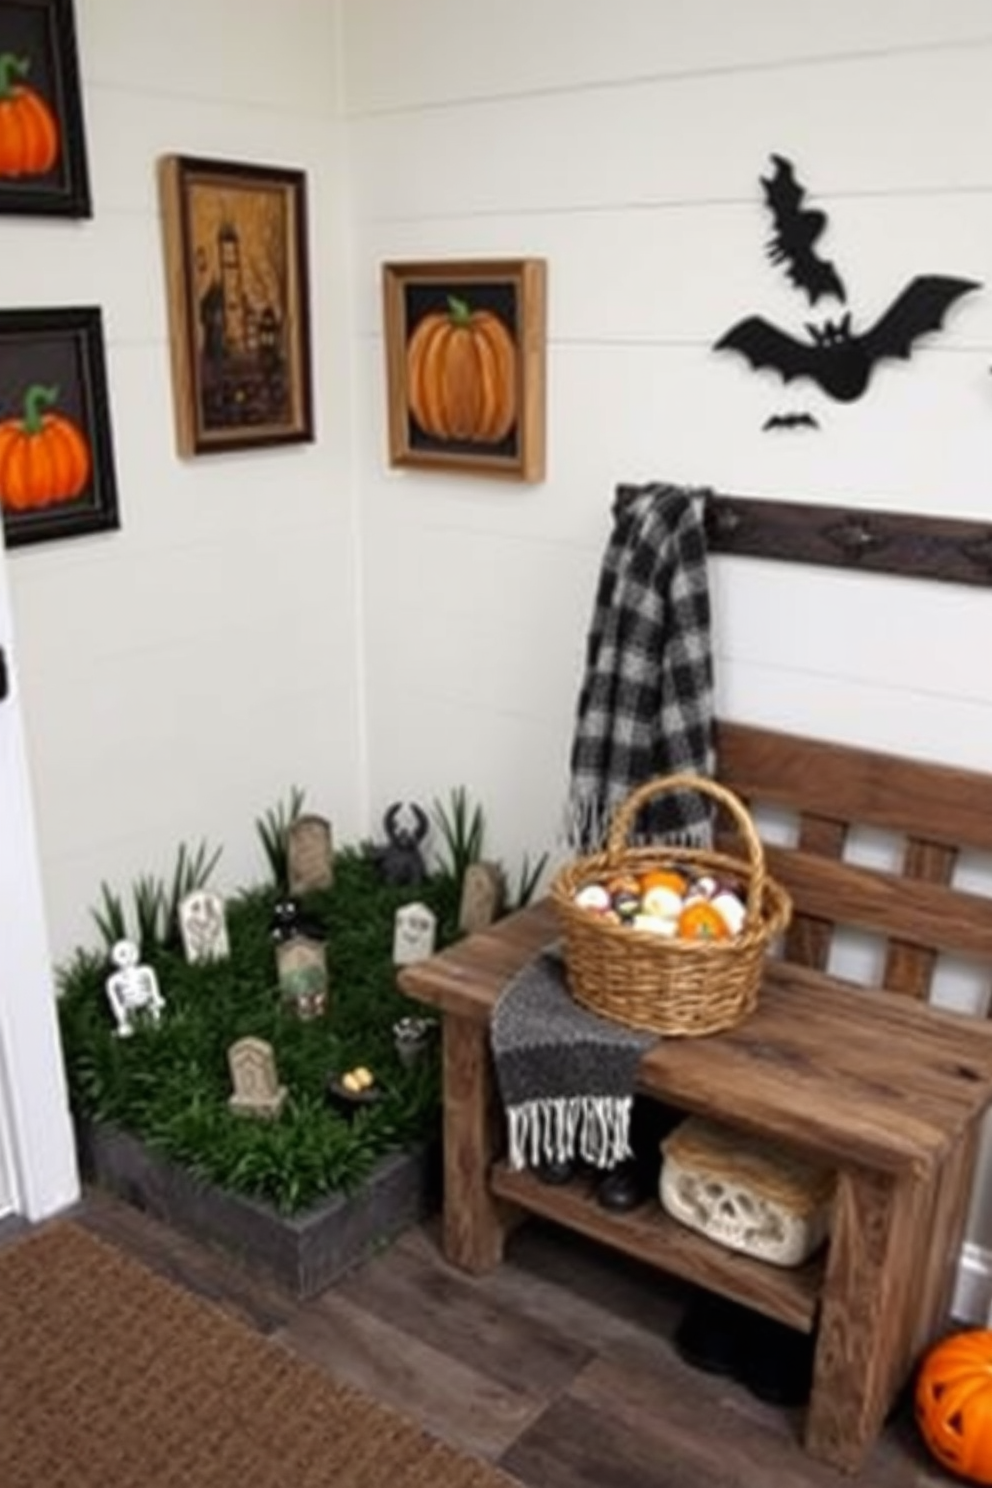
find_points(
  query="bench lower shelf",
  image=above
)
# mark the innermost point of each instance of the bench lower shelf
(650, 1235)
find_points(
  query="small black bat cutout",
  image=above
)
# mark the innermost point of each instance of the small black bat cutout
(797, 229)
(835, 358)
(790, 421)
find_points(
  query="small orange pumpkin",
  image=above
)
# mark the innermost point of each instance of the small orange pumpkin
(663, 878)
(44, 457)
(462, 375)
(700, 921)
(29, 131)
(953, 1401)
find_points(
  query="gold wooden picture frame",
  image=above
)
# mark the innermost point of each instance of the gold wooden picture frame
(237, 285)
(465, 365)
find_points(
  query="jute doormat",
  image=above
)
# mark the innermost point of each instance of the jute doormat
(111, 1377)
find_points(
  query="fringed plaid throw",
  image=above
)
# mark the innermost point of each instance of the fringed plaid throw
(646, 709)
(646, 703)
(565, 1076)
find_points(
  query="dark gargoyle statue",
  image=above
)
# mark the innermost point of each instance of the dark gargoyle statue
(400, 861)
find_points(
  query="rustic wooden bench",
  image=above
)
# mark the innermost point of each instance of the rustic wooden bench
(882, 1086)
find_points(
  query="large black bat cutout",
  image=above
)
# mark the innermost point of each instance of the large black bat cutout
(797, 229)
(840, 362)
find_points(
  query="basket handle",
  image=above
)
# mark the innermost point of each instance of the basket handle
(626, 815)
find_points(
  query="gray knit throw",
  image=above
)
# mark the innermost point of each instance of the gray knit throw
(566, 1076)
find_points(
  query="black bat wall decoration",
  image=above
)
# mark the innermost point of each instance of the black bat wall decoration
(790, 421)
(797, 229)
(835, 358)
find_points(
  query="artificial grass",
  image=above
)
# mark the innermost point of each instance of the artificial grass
(169, 1084)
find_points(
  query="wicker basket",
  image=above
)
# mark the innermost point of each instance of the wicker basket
(669, 986)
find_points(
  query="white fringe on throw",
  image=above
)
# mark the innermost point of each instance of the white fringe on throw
(585, 827)
(595, 1128)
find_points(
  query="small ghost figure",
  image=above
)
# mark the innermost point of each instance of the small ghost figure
(203, 927)
(414, 929)
(132, 989)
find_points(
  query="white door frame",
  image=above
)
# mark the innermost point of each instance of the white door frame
(36, 1133)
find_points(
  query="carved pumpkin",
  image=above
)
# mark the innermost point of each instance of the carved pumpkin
(29, 132)
(44, 458)
(462, 375)
(954, 1403)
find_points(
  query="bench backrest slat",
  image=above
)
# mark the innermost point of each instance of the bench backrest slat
(833, 792)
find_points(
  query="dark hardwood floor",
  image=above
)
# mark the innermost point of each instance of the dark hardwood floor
(559, 1366)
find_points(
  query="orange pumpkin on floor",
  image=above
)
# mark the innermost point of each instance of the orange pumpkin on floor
(44, 457)
(29, 131)
(462, 375)
(954, 1403)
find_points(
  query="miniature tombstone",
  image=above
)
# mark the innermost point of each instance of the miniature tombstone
(132, 990)
(203, 927)
(303, 981)
(310, 854)
(482, 897)
(257, 1091)
(414, 930)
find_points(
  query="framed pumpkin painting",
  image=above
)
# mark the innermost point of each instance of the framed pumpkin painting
(43, 167)
(56, 453)
(465, 365)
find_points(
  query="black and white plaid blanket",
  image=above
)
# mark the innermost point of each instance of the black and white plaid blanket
(645, 709)
(646, 704)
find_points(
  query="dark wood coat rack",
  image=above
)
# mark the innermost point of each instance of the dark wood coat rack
(946, 548)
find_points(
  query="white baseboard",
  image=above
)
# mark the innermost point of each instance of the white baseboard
(972, 1302)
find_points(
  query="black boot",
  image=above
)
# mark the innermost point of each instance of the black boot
(713, 1334)
(778, 1364)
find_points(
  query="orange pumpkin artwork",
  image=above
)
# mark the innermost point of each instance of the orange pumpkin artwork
(29, 131)
(44, 457)
(953, 1402)
(462, 375)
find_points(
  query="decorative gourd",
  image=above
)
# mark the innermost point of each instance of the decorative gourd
(664, 878)
(462, 375)
(29, 131)
(700, 921)
(954, 1403)
(44, 458)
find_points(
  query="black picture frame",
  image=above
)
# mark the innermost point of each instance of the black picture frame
(237, 281)
(43, 164)
(53, 386)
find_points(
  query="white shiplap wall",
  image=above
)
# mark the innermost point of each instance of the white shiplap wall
(624, 143)
(181, 675)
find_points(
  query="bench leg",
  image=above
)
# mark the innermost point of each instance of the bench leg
(878, 1247)
(475, 1223)
(952, 1194)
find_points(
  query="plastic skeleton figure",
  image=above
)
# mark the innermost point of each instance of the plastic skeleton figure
(132, 989)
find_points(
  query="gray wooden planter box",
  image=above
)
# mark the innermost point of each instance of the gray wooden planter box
(305, 1252)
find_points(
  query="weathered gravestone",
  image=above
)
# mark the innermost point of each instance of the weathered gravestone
(257, 1091)
(482, 897)
(310, 854)
(303, 979)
